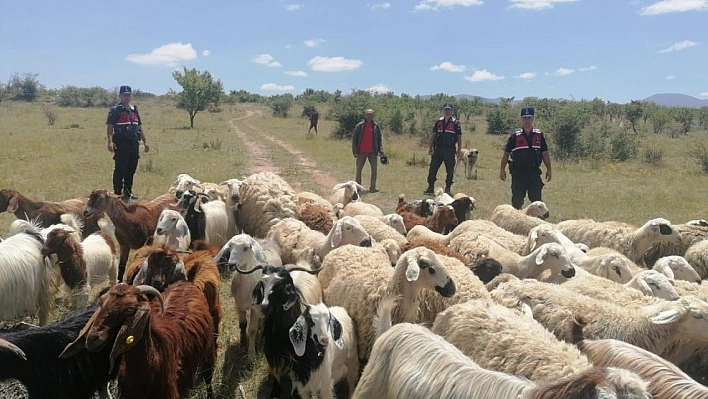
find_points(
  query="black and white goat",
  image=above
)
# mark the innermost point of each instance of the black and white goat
(207, 220)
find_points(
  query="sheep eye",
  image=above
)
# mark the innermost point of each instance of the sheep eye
(698, 316)
(423, 264)
(431, 270)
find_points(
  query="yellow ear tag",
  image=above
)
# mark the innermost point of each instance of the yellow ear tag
(129, 340)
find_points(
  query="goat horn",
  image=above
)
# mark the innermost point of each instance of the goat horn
(302, 269)
(12, 348)
(259, 267)
(150, 290)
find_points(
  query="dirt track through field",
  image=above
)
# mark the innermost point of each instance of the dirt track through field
(259, 159)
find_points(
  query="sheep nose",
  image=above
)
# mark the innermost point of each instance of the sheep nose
(324, 341)
(232, 266)
(355, 197)
(86, 213)
(159, 231)
(178, 194)
(235, 198)
(365, 243)
(568, 273)
(699, 281)
(546, 216)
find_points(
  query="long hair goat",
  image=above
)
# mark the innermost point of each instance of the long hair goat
(134, 223)
(410, 362)
(44, 212)
(159, 348)
(25, 278)
(35, 361)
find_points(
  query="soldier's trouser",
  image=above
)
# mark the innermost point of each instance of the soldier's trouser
(525, 182)
(126, 157)
(440, 156)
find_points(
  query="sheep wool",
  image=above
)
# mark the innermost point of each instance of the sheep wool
(266, 199)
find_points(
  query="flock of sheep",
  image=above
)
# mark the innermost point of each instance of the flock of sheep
(428, 301)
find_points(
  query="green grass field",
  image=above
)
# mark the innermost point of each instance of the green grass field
(70, 159)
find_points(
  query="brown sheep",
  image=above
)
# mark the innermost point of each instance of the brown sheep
(316, 217)
(437, 248)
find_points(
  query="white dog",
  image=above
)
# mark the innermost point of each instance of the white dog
(469, 158)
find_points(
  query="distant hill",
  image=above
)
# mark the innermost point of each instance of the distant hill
(677, 100)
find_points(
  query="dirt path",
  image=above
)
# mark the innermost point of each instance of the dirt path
(259, 159)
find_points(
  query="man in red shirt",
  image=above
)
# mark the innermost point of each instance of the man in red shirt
(366, 144)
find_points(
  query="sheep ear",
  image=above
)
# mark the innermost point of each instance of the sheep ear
(413, 270)
(542, 255)
(337, 235)
(12, 204)
(644, 287)
(338, 186)
(336, 328)
(360, 187)
(258, 252)
(130, 333)
(298, 335)
(182, 229)
(79, 343)
(533, 239)
(526, 309)
(666, 317)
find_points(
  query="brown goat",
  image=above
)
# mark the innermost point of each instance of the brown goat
(134, 223)
(45, 212)
(419, 207)
(160, 347)
(444, 216)
(436, 247)
(316, 217)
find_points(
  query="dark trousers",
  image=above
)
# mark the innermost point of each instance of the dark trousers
(126, 157)
(440, 155)
(523, 182)
(373, 162)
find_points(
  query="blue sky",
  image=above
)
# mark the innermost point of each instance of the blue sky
(617, 50)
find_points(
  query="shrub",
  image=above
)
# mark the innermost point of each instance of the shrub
(700, 152)
(281, 105)
(347, 113)
(500, 121)
(395, 122)
(623, 146)
(72, 96)
(653, 155)
(566, 126)
(51, 116)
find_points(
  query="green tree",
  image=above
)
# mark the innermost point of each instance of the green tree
(395, 121)
(500, 120)
(659, 119)
(281, 105)
(24, 87)
(684, 116)
(633, 111)
(566, 126)
(702, 115)
(199, 90)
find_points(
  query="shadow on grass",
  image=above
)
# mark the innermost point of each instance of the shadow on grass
(235, 370)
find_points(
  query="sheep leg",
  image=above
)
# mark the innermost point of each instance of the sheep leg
(253, 327)
(113, 272)
(124, 250)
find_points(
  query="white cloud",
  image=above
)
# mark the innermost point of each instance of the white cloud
(704, 94)
(313, 42)
(168, 55)
(526, 75)
(590, 68)
(537, 4)
(563, 71)
(448, 66)
(678, 46)
(380, 6)
(267, 60)
(426, 5)
(297, 73)
(379, 88)
(277, 87)
(333, 64)
(670, 77)
(667, 6)
(206, 53)
(482, 76)
(293, 7)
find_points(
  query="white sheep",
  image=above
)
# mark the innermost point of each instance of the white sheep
(612, 266)
(293, 234)
(244, 253)
(676, 268)
(172, 231)
(410, 362)
(630, 240)
(685, 288)
(467, 287)
(502, 339)
(396, 221)
(424, 233)
(671, 329)
(697, 256)
(332, 330)
(441, 197)
(380, 230)
(310, 197)
(360, 208)
(372, 257)
(358, 287)
(233, 196)
(691, 232)
(640, 291)
(345, 193)
(469, 230)
(552, 257)
(520, 221)
(266, 199)
(26, 286)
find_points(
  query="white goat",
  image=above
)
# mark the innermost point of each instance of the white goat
(172, 231)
